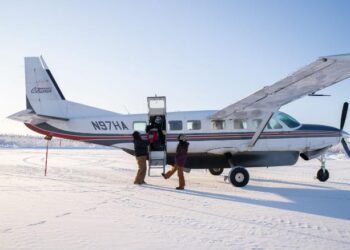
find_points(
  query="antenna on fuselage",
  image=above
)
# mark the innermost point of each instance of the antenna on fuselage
(127, 111)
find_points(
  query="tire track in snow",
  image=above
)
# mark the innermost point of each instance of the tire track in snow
(273, 222)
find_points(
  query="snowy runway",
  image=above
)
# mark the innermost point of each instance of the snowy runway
(88, 201)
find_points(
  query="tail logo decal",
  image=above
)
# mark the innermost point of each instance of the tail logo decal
(37, 90)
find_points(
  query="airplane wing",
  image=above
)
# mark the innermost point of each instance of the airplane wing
(318, 75)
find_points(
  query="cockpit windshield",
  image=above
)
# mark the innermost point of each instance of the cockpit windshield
(287, 119)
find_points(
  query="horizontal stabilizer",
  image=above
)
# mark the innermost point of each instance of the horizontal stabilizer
(28, 116)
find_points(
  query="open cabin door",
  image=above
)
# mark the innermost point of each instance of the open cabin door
(156, 132)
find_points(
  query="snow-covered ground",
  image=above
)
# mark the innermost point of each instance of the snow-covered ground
(88, 201)
(30, 141)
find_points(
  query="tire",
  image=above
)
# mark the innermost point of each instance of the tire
(239, 177)
(322, 176)
(216, 171)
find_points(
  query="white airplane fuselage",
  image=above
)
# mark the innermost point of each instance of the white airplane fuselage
(116, 130)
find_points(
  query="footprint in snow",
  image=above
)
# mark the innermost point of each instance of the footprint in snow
(61, 215)
(101, 203)
(37, 223)
(90, 209)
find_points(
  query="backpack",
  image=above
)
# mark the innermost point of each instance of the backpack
(152, 136)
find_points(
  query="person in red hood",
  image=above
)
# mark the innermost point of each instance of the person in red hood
(180, 160)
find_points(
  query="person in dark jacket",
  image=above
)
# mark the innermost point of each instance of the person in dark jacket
(180, 160)
(156, 134)
(141, 152)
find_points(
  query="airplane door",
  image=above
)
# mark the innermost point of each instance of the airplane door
(156, 105)
(156, 132)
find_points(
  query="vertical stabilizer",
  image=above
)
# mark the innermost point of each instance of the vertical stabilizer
(41, 86)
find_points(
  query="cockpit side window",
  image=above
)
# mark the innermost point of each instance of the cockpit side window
(288, 120)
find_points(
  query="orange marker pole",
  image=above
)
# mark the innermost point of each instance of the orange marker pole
(47, 138)
(47, 154)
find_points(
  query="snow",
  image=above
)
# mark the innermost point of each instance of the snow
(29, 141)
(88, 201)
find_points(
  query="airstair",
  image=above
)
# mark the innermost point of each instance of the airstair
(157, 158)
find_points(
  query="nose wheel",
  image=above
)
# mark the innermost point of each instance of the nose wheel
(323, 174)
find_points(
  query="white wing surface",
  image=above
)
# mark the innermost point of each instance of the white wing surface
(318, 75)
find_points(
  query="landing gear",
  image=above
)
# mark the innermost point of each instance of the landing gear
(216, 171)
(323, 174)
(238, 176)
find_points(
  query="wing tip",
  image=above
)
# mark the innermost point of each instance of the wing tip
(345, 56)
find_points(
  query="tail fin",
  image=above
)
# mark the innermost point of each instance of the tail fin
(41, 86)
(45, 101)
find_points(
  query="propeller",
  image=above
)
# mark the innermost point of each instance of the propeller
(346, 147)
(342, 123)
(343, 115)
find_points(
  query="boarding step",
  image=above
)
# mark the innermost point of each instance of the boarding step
(157, 160)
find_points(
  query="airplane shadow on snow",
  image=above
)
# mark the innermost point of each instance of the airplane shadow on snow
(327, 202)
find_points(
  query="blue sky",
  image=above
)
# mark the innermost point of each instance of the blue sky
(200, 54)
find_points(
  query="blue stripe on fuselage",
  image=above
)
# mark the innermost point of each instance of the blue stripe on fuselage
(314, 127)
(305, 131)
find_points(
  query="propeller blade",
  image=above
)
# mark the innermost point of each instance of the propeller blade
(343, 115)
(346, 147)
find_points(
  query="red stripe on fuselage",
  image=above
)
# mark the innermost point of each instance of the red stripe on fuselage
(76, 137)
(270, 135)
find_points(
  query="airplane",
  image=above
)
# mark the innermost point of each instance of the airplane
(249, 133)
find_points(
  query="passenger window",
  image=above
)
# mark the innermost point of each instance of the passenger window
(175, 125)
(194, 125)
(256, 123)
(240, 124)
(139, 126)
(218, 124)
(274, 124)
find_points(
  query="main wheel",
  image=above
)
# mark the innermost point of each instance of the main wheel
(322, 175)
(216, 171)
(239, 177)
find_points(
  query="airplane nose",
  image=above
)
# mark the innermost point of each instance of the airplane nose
(345, 134)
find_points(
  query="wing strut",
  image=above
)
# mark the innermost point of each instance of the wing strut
(260, 129)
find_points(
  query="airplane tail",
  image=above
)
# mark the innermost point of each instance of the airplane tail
(41, 86)
(44, 99)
